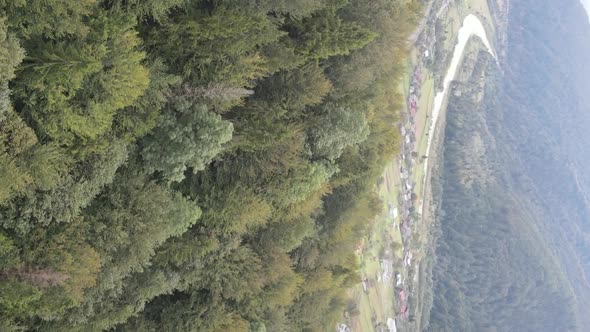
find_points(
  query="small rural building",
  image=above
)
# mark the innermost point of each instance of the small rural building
(404, 312)
(366, 285)
(342, 328)
(403, 297)
(408, 258)
(394, 213)
(391, 325)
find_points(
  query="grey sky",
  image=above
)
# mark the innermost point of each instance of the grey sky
(586, 4)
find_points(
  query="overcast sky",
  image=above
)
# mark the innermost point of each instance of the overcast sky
(586, 4)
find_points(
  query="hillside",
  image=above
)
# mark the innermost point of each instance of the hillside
(556, 116)
(200, 165)
(514, 216)
(493, 270)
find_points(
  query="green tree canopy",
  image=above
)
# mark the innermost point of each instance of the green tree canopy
(73, 89)
(325, 34)
(11, 55)
(204, 48)
(190, 165)
(187, 136)
(336, 128)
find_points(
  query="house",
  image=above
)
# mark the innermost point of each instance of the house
(391, 325)
(418, 73)
(342, 328)
(403, 297)
(404, 312)
(408, 258)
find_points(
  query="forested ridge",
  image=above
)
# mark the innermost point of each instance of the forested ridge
(513, 245)
(495, 269)
(554, 109)
(558, 164)
(205, 165)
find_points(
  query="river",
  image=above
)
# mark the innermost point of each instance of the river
(471, 27)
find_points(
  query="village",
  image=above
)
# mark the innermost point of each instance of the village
(392, 256)
(413, 131)
(407, 198)
(403, 212)
(403, 204)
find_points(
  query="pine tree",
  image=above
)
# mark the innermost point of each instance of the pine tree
(326, 35)
(188, 136)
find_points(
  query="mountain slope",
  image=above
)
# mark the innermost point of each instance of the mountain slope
(493, 270)
(515, 221)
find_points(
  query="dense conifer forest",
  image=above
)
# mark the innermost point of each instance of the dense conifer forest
(191, 165)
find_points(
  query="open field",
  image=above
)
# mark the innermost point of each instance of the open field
(378, 303)
(422, 121)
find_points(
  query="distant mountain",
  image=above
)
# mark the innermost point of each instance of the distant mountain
(494, 270)
(514, 247)
(546, 104)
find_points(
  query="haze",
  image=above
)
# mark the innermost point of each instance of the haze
(586, 4)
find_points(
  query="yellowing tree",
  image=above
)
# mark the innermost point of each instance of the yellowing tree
(73, 89)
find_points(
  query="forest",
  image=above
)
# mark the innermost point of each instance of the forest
(558, 111)
(191, 165)
(545, 108)
(494, 270)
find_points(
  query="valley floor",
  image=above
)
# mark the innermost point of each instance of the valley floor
(396, 256)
